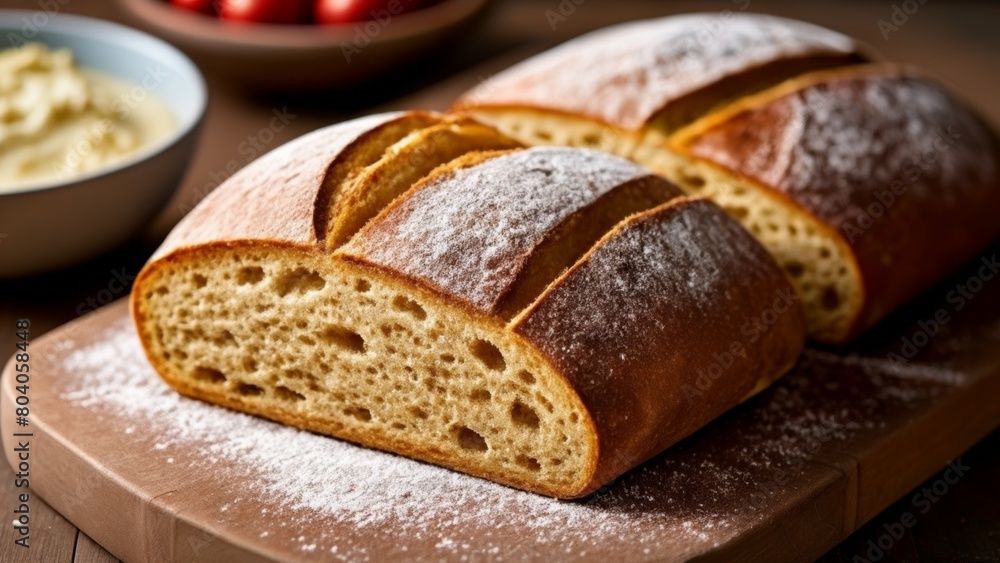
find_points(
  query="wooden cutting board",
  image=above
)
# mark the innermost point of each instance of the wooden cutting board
(153, 477)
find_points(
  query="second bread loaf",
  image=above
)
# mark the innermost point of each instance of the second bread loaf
(867, 182)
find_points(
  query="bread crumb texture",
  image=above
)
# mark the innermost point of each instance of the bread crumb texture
(297, 337)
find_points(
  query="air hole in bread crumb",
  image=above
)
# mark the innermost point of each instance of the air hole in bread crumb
(573, 417)
(470, 440)
(545, 402)
(399, 426)
(523, 415)
(418, 412)
(824, 252)
(208, 375)
(591, 140)
(286, 394)
(489, 354)
(526, 377)
(529, 463)
(480, 395)
(795, 269)
(362, 285)
(248, 389)
(249, 364)
(162, 290)
(830, 299)
(249, 275)
(306, 339)
(543, 135)
(224, 338)
(447, 358)
(693, 181)
(360, 413)
(200, 281)
(343, 338)
(407, 305)
(299, 280)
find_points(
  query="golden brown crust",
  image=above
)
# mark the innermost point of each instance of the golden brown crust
(276, 194)
(884, 157)
(656, 322)
(628, 74)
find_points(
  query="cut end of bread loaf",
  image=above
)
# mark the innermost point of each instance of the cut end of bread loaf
(340, 349)
(816, 260)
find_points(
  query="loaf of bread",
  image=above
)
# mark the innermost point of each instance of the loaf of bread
(547, 318)
(867, 181)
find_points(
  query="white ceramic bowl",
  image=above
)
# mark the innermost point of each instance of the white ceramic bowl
(54, 225)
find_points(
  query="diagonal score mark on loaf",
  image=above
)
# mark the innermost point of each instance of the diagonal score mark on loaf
(360, 194)
(351, 346)
(536, 212)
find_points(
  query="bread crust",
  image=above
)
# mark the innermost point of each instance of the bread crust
(625, 75)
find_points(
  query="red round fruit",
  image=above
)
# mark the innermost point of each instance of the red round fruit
(346, 11)
(262, 11)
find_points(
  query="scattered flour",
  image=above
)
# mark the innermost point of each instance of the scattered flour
(323, 498)
(316, 485)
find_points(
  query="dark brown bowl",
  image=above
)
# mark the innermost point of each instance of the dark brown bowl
(300, 57)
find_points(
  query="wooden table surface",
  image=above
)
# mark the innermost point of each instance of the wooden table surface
(957, 41)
